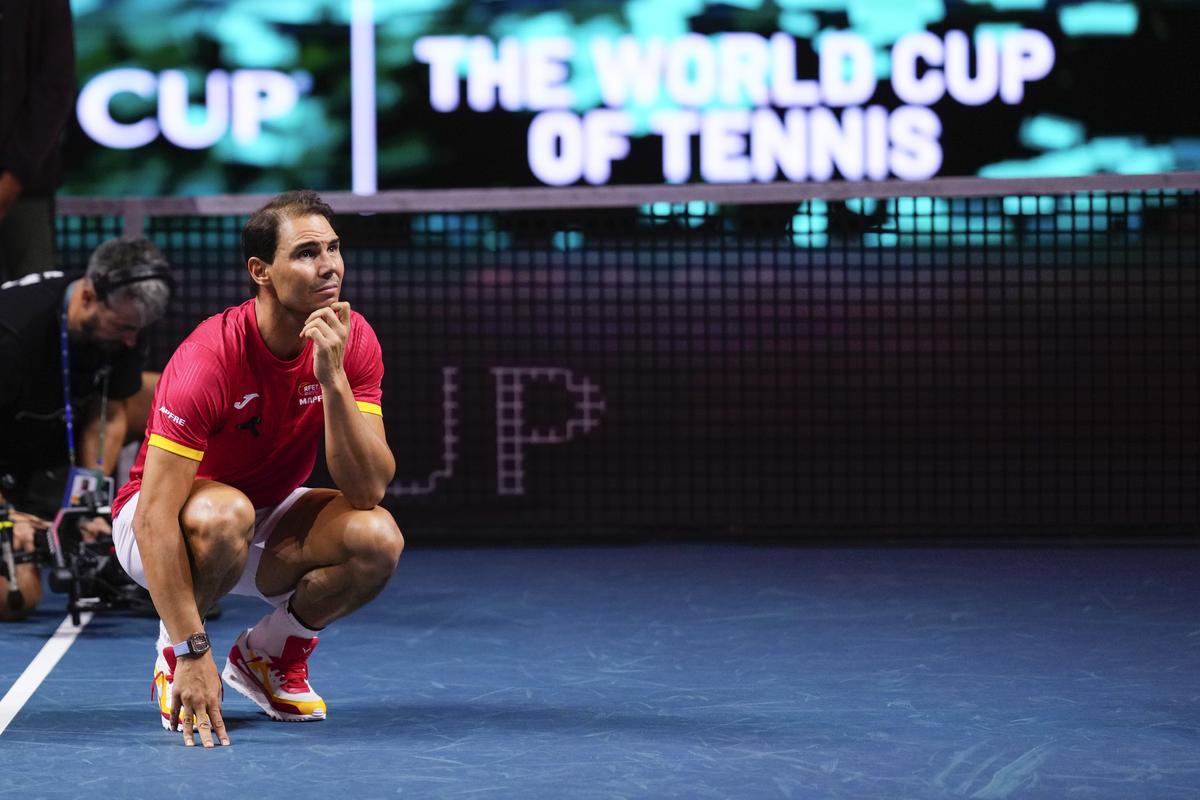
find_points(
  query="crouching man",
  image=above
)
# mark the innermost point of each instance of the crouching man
(215, 505)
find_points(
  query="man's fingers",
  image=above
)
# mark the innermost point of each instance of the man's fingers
(319, 336)
(340, 309)
(186, 718)
(205, 726)
(175, 713)
(327, 313)
(314, 325)
(219, 726)
(337, 316)
(318, 325)
(327, 317)
(37, 522)
(95, 526)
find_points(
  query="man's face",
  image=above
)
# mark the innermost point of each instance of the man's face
(307, 269)
(110, 325)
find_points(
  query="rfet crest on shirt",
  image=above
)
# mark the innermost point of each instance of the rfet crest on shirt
(309, 393)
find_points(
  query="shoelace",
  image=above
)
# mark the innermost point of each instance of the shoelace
(154, 684)
(293, 675)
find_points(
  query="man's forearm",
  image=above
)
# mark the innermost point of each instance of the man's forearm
(168, 571)
(359, 460)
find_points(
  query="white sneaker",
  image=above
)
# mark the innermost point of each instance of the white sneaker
(164, 676)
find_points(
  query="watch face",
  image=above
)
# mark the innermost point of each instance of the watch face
(198, 643)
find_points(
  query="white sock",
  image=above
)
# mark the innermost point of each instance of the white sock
(273, 630)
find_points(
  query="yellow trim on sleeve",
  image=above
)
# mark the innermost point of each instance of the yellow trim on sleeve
(178, 449)
(370, 408)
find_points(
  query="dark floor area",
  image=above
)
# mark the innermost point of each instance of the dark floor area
(676, 670)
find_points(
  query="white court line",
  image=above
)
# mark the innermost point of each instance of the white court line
(53, 650)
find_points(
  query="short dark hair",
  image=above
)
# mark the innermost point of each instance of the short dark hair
(260, 235)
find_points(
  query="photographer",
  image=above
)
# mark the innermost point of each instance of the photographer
(78, 337)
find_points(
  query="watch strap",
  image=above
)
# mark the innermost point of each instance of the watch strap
(195, 645)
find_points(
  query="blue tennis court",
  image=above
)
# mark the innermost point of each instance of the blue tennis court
(676, 670)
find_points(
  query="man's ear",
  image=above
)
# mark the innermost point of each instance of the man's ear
(87, 293)
(258, 271)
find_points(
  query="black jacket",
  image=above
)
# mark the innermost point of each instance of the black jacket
(37, 90)
(33, 433)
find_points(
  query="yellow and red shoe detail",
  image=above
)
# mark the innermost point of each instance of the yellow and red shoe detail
(258, 669)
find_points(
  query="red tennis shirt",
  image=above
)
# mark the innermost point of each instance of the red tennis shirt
(253, 422)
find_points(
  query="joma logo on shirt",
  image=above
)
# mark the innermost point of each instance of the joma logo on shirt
(178, 420)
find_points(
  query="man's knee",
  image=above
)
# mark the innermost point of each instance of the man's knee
(219, 518)
(373, 539)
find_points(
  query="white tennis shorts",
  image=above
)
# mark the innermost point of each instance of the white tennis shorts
(265, 521)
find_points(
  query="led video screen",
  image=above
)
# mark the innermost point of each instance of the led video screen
(191, 97)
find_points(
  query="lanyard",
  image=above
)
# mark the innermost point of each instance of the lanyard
(66, 379)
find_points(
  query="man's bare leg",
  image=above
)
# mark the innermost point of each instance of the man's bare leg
(336, 557)
(333, 559)
(218, 524)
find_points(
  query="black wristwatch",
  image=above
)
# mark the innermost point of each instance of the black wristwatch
(193, 646)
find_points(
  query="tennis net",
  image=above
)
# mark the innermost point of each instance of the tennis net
(960, 355)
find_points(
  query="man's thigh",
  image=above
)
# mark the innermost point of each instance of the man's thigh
(207, 497)
(310, 534)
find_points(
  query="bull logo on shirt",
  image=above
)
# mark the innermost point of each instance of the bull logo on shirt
(251, 425)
